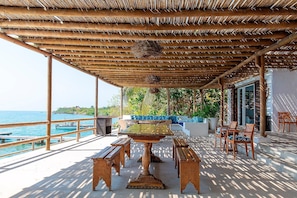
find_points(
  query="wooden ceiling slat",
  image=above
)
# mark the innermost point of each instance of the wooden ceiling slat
(6, 10)
(89, 27)
(75, 35)
(84, 41)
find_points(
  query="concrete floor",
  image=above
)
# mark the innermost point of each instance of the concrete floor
(66, 171)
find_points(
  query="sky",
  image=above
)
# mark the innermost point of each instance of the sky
(23, 82)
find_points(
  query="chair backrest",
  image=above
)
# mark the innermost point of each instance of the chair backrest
(249, 130)
(233, 125)
(284, 116)
(122, 125)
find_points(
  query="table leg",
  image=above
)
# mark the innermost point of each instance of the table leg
(154, 158)
(145, 179)
(146, 159)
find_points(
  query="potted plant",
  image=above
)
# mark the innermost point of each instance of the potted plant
(209, 111)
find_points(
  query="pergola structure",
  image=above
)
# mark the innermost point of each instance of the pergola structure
(205, 44)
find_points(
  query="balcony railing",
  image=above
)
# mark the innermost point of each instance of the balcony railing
(23, 140)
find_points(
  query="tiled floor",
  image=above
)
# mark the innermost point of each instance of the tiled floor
(66, 171)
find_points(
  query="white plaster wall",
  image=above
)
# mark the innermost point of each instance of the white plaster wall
(284, 94)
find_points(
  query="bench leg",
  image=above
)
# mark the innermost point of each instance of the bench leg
(127, 150)
(189, 172)
(122, 155)
(101, 170)
(117, 164)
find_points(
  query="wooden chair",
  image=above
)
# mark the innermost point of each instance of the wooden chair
(247, 137)
(285, 118)
(221, 132)
(122, 125)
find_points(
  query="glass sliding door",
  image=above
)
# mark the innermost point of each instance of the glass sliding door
(246, 105)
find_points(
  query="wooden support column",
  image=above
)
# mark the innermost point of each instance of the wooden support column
(49, 103)
(122, 104)
(222, 102)
(194, 101)
(96, 104)
(233, 111)
(260, 63)
(168, 101)
(202, 98)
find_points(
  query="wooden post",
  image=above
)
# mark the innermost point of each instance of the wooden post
(202, 98)
(260, 63)
(222, 102)
(121, 105)
(168, 101)
(78, 133)
(49, 103)
(233, 110)
(194, 100)
(96, 105)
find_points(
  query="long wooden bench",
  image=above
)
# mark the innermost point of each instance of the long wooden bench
(124, 143)
(102, 163)
(188, 168)
(177, 142)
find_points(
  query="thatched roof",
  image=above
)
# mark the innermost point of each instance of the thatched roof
(202, 41)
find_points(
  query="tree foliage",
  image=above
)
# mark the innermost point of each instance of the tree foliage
(139, 101)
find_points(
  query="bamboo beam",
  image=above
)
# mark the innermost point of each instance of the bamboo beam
(30, 11)
(274, 46)
(144, 66)
(125, 37)
(157, 59)
(78, 53)
(182, 47)
(20, 24)
(84, 41)
(88, 55)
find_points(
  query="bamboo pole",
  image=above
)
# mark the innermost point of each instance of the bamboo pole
(77, 35)
(121, 105)
(146, 28)
(49, 103)
(222, 102)
(6, 10)
(194, 100)
(96, 104)
(168, 101)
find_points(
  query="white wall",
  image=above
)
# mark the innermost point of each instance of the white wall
(284, 94)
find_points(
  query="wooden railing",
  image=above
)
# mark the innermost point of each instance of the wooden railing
(34, 139)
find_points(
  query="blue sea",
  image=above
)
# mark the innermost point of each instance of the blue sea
(7, 117)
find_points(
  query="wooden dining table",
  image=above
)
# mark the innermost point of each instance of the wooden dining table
(147, 134)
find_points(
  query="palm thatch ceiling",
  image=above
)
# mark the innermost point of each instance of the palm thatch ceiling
(202, 41)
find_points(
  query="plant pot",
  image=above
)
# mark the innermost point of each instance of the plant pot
(213, 123)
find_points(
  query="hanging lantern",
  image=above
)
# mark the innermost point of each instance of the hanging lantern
(151, 79)
(154, 90)
(146, 49)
